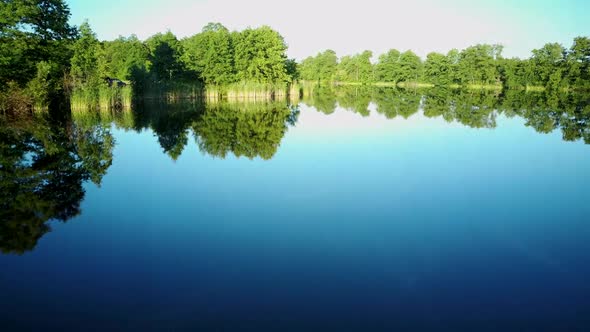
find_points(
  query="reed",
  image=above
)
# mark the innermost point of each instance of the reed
(101, 97)
(255, 91)
(414, 85)
(531, 88)
(172, 91)
(124, 119)
(484, 87)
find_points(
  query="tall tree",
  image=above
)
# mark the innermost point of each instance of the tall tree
(164, 59)
(477, 64)
(387, 69)
(356, 68)
(579, 63)
(210, 53)
(410, 67)
(326, 64)
(32, 31)
(85, 59)
(437, 69)
(125, 56)
(549, 65)
(260, 55)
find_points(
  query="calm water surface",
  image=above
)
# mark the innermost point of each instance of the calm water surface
(349, 211)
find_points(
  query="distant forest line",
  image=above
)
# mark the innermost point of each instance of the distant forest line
(43, 56)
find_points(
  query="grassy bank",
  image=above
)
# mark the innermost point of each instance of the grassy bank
(247, 91)
(253, 91)
(102, 97)
(421, 85)
(171, 90)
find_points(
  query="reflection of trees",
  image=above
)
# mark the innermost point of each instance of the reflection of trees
(245, 129)
(249, 130)
(475, 109)
(355, 99)
(171, 123)
(546, 112)
(392, 102)
(321, 98)
(439, 102)
(42, 168)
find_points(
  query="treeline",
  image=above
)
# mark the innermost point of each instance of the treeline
(552, 67)
(43, 56)
(254, 58)
(215, 56)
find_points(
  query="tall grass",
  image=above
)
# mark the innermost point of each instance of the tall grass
(102, 97)
(256, 91)
(172, 91)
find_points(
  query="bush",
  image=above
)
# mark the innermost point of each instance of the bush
(15, 100)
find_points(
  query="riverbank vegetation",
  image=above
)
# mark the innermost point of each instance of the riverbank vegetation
(551, 67)
(43, 56)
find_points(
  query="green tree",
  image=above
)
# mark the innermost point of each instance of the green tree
(35, 40)
(437, 69)
(387, 68)
(124, 57)
(365, 67)
(410, 67)
(32, 31)
(478, 64)
(260, 56)
(321, 67)
(325, 65)
(356, 68)
(578, 59)
(453, 58)
(549, 65)
(164, 57)
(292, 69)
(40, 87)
(513, 73)
(210, 53)
(84, 63)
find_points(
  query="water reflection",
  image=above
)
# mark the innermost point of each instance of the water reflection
(46, 158)
(545, 112)
(255, 130)
(43, 164)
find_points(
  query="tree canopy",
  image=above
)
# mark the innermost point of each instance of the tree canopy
(34, 36)
(42, 56)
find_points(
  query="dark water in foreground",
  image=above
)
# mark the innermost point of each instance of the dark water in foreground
(352, 211)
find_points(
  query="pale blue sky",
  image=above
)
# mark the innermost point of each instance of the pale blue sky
(310, 26)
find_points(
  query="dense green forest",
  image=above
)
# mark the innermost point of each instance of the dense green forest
(43, 58)
(552, 67)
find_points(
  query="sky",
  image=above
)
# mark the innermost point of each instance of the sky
(349, 27)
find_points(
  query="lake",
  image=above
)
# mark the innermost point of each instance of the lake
(353, 209)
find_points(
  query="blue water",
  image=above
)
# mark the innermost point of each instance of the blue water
(355, 224)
